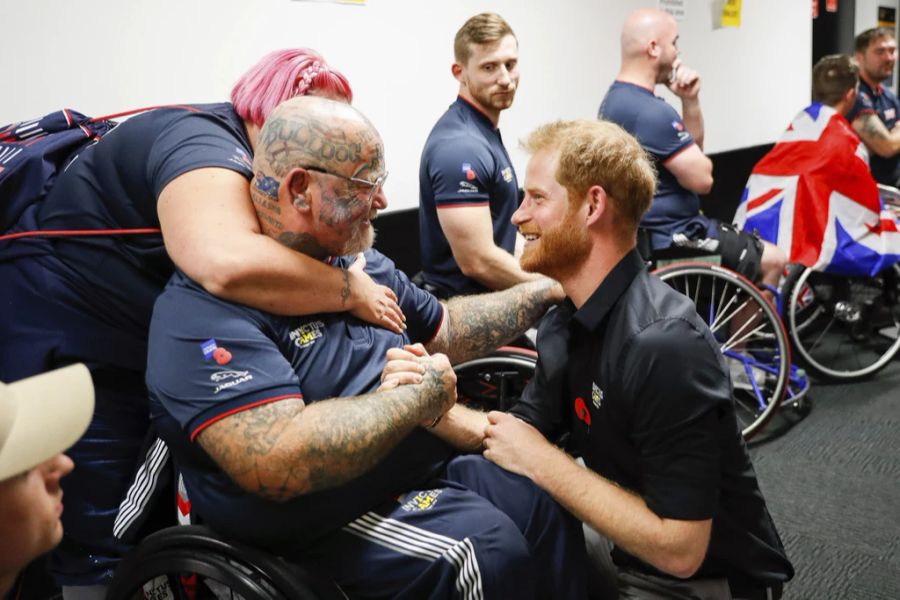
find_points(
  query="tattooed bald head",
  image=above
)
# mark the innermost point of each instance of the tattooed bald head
(313, 164)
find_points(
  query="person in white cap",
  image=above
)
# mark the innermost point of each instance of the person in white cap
(40, 417)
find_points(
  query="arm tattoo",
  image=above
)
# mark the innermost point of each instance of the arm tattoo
(872, 127)
(479, 324)
(345, 291)
(284, 449)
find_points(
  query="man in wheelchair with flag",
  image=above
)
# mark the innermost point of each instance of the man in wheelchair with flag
(814, 196)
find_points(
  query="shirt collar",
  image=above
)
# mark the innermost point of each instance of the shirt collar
(477, 112)
(592, 312)
(635, 86)
(875, 91)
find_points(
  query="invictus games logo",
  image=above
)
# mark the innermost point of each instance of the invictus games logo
(423, 500)
(307, 334)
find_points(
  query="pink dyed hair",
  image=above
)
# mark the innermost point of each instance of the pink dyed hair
(281, 75)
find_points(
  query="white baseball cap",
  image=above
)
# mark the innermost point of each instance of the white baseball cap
(43, 415)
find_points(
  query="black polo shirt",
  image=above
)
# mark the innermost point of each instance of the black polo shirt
(639, 383)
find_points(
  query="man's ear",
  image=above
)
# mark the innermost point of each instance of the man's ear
(457, 71)
(653, 49)
(596, 202)
(295, 188)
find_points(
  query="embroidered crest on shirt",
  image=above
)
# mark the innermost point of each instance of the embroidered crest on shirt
(678, 126)
(307, 334)
(507, 174)
(467, 170)
(211, 350)
(596, 395)
(889, 114)
(423, 500)
(467, 188)
(240, 157)
(229, 379)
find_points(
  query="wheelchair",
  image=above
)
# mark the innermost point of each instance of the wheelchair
(495, 381)
(193, 562)
(844, 328)
(750, 333)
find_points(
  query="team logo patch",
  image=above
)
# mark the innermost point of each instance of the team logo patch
(211, 350)
(208, 347)
(507, 174)
(467, 170)
(423, 500)
(890, 114)
(467, 188)
(307, 334)
(582, 412)
(229, 379)
(677, 126)
(596, 395)
(240, 157)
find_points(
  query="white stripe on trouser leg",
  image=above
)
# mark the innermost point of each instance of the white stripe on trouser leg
(419, 543)
(468, 582)
(142, 487)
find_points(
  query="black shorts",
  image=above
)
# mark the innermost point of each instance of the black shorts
(740, 251)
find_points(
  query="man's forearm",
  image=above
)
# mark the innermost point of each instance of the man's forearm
(677, 548)
(462, 428)
(878, 139)
(496, 269)
(479, 324)
(285, 449)
(692, 116)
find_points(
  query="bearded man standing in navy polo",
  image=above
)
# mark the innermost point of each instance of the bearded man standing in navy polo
(467, 186)
(293, 434)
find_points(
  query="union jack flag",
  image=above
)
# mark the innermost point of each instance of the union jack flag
(814, 196)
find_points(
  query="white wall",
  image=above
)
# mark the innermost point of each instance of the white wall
(100, 56)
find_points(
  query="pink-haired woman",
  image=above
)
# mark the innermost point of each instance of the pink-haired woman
(88, 298)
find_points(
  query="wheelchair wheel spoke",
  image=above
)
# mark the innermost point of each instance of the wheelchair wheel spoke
(749, 334)
(734, 341)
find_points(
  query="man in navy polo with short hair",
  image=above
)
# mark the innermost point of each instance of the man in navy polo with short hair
(876, 112)
(467, 186)
(650, 56)
(293, 434)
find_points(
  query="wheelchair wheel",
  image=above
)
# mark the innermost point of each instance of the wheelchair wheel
(496, 381)
(192, 562)
(842, 328)
(750, 335)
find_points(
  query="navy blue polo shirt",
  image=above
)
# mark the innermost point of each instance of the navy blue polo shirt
(464, 163)
(884, 103)
(662, 133)
(210, 358)
(639, 383)
(113, 280)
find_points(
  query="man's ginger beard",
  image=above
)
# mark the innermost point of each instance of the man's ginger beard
(560, 250)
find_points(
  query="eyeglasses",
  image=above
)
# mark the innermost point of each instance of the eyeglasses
(373, 186)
